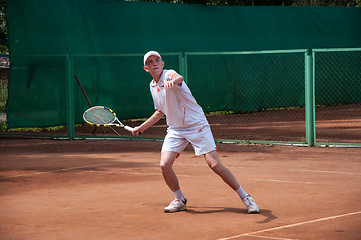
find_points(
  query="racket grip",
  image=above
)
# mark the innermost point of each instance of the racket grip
(130, 129)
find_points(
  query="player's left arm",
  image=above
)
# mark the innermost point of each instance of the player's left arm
(157, 115)
(175, 79)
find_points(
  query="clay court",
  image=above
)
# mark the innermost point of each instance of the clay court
(267, 78)
(60, 189)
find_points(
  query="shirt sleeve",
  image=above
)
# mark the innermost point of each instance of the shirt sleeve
(171, 74)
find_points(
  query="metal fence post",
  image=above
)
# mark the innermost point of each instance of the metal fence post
(181, 64)
(70, 125)
(185, 68)
(309, 99)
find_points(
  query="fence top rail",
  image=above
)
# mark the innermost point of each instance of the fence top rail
(248, 52)
(124, 54)
(94, 55)
(336, 49)
(186, 53)
(39, 55)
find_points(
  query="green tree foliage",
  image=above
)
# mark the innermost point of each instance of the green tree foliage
(3, 29)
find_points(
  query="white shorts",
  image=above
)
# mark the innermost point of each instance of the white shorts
(201, 139)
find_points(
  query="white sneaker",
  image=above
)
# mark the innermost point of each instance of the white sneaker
(250, 204)
(176, 205)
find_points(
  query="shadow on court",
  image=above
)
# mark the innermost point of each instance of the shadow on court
(264, 212)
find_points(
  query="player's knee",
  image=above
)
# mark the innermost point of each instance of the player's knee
(165, 167)
(217, 167)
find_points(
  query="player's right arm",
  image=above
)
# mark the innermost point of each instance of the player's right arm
(175, 79)
(157, 115)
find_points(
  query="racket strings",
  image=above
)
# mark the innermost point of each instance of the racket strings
(99, 116)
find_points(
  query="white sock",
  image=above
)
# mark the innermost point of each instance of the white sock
(178, 195)
(242, 194)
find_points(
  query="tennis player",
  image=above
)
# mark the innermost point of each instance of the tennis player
(186, 124)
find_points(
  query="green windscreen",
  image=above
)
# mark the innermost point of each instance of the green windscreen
(103, 42)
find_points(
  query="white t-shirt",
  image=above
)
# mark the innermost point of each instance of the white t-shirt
(177, 103)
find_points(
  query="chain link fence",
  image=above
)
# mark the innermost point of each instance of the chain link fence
(3, 94)
(4, 79)
(252, 97)
(338, 95)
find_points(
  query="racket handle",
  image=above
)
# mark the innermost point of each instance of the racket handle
(130, 129)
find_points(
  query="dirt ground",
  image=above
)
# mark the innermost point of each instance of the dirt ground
(61, 189)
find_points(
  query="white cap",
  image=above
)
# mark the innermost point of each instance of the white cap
(150, 53)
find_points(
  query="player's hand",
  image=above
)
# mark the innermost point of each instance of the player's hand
(136, 131)
(169, 84)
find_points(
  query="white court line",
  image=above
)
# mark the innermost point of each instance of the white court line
(285, 181)
(292, 225)
(317, 171)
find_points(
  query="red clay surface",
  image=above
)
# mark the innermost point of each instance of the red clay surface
(60, 189)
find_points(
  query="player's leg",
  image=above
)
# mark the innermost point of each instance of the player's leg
(173, 144)
(203, 144)
(215, 164)
(166, 164)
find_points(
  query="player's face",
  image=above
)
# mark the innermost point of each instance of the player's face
(154, 65)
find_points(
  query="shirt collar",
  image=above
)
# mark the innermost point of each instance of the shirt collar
(161, 80)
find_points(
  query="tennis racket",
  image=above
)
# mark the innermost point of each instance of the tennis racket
(103, 116)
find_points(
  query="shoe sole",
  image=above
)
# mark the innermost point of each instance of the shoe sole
(177, 210)
(253, 212)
